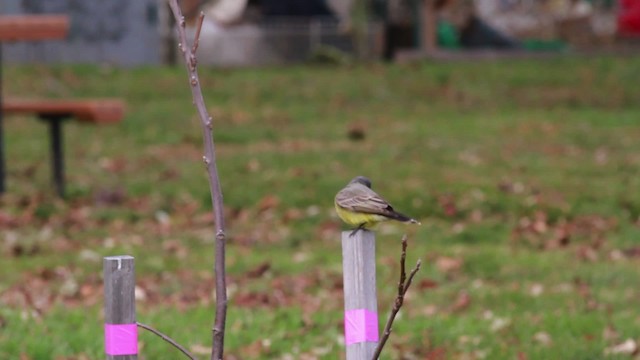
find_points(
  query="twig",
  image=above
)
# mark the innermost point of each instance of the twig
(196, 38)
(167, 339)
(209, 159)
(403, 286)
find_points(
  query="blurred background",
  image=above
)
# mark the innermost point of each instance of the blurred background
(508, 128)
(259, 32)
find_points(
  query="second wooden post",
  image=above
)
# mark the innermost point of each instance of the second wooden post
(120, 328)
(360, 301)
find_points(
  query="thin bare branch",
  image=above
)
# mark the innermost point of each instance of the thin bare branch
(403, 271)
(403, 286)
(413, 273)
(196, 38)
(209, 159)
(167, 339)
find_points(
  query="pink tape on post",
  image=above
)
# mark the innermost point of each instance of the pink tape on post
(360, 325)
(121, 339)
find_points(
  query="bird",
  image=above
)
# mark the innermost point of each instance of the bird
(358, 205)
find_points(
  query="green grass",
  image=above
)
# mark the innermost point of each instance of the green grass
(498, 160)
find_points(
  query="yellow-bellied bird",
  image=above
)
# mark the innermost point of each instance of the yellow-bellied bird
(358, 205)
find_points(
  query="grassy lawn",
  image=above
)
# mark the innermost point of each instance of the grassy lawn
(525, 175)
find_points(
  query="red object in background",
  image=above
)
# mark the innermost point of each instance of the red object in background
(629, 18)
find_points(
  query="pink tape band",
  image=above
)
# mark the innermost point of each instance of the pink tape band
(360, 325)
(120, 339)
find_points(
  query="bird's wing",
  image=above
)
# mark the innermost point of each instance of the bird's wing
(359, 198)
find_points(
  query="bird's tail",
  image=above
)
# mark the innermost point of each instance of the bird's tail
(403, 218)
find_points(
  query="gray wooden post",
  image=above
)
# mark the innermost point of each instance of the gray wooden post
(120, 330)
(360, 302)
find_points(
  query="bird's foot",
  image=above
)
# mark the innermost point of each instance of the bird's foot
(355, 231)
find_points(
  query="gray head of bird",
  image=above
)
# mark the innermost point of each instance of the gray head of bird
(361, 180)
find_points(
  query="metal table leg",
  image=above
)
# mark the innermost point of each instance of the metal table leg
(57, 156)
(2, 168)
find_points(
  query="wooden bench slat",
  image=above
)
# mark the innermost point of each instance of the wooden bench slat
(100, 111)
(33, 27)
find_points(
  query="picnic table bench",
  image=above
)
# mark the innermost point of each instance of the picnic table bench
(52, 111)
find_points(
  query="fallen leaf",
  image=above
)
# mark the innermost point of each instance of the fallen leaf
(609, 333)
(163, 218)
(258, 271)
(536, 290)
(628, 347)
(540, 222)
(448, 205)
(268, 202)
(430, 310)
(511, 187)
(601, 156)
(139, 293)
(198, 349)
(427, 284)
(69, 287)
(438, 353)
(300, 257)
(448, 264)
(292, 215)
(499, 323)
(89, 256)
(616, 255)
(113, 165)
(583, 288)
(543, 338)
(109, 197)
(174, 247)
(587, 253)
(356, 131)
(633, 252)
(253, 166)
(462, 302)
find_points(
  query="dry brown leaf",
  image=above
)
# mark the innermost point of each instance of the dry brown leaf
(427, 284)
(438, 353)
(610, 334)
(587, 253)
(356, 131)
(268, 202)
(632, 252)
(174, 247)
(258, 271)
(198, 349)
(448, 264)
(448, 205)
(462, 302)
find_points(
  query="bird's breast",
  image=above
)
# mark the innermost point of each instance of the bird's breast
(357, 218)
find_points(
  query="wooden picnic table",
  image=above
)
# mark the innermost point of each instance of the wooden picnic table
(33, 27)
(53, 111)
(26, 28)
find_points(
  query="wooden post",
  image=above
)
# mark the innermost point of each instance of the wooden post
(428, 19)
(120, 329)
(360, 302)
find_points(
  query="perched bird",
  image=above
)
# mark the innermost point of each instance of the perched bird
(358, 205)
